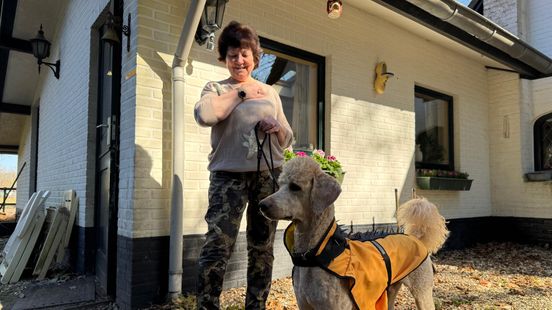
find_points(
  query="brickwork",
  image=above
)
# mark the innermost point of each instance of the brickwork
(504, 13)
(24, 155)
(127, 146)
(65, 124)
(540, 25)
(511, 145)
(372, 135)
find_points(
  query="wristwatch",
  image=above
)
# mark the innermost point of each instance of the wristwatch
(241, 94)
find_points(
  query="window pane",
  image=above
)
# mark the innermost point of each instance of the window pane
(295, 80)
(433, 145)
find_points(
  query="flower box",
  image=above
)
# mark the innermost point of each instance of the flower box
(541, 176)
(440, 183)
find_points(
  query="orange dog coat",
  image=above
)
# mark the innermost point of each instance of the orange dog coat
(368, 266)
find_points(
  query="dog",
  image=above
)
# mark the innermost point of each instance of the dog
(305, 197)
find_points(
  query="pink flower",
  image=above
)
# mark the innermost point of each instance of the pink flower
(301, 154)
(319, 152)
(331, 158)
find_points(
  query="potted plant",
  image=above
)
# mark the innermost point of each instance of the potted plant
(435, 179)
(328, 163)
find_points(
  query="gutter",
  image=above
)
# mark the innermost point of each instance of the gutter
(177, 193)
(471, 29)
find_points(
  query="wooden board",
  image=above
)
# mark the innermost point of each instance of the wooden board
(60, 232)
(56, 221)
(72, 204)
(24, 215)
(34, 232)
(25, 235)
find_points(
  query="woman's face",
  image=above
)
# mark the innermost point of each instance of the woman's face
(240, 63)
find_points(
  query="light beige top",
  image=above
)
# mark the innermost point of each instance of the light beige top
(233, 143)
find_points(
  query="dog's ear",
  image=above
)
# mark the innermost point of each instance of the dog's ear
(325, 190)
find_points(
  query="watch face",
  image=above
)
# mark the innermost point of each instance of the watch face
(241, 94)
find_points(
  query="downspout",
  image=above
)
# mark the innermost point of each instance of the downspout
(177, 193)
(486, 30)
(525, 101)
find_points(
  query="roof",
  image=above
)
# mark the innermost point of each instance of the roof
(19, 78)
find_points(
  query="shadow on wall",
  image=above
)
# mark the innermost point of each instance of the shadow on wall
(150, 218)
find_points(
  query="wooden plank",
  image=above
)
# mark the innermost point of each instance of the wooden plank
(22, 238)
(20, 223)
(22, 262)
(47, 244)
(58, 238)
(72, 204)
(17, 255)
(32, 212)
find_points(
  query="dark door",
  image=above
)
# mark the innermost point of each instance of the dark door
(107, 159)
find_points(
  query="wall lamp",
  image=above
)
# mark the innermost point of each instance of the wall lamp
(381, 77)
(334, 9)
(41, 50)
(112, 24)
(211, 21)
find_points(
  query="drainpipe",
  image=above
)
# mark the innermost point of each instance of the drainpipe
(486, 30)
(177, 193)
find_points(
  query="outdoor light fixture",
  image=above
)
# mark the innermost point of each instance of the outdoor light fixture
(110, 32)
(381, 77)
(334, 9)
(41, 50)
(211, 21)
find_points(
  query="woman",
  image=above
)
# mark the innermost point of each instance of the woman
(240, 111)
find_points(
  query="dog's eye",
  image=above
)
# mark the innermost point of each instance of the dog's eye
(294, 187)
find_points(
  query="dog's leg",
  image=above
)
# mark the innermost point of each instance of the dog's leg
(392, 295)
(420, 285)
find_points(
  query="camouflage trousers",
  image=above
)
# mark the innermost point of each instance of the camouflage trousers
(229, 192)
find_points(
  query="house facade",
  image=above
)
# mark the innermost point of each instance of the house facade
(457, 101)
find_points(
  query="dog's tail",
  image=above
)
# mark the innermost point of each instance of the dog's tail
(421, 219)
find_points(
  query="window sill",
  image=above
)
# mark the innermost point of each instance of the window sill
(538, 176)
(447, 184)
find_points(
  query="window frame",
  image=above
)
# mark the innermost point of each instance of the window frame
(320, 62)
(450, 115)
(538, 142)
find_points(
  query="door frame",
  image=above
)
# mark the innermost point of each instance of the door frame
(116, 6)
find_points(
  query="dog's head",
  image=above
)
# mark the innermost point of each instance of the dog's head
(305, 192)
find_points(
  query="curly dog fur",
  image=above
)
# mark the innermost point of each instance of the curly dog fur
(306, 197)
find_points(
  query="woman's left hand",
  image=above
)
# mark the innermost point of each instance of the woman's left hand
(269, 125)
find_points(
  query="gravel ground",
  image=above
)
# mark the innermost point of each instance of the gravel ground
(499, 276)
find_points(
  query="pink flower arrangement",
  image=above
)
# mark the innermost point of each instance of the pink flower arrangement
(328, 163)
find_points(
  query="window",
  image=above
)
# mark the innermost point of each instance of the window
(543, 143)
(434, 130)
(298, 76)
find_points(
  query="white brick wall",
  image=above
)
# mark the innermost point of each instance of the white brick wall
(511, 150)
(539, 13)
(24, 155)
(504, 13)
(127, 147)
(64, 152)
(542, 97)
(372, 135)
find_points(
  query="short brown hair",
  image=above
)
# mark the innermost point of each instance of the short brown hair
(237, 35)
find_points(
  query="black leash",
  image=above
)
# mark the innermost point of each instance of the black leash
(261, 154)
